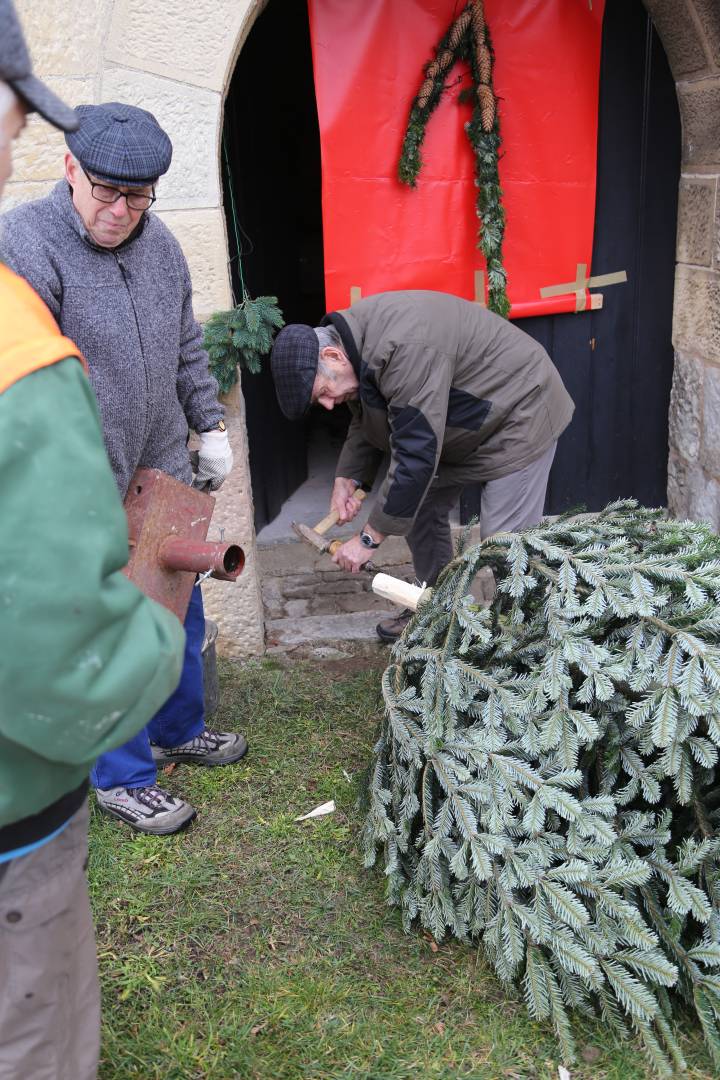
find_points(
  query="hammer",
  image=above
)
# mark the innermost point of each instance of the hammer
(316, 537)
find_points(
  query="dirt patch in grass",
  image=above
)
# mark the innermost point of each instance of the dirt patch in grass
(354, 664)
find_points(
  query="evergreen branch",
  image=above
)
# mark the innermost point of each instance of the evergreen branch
(240, 338)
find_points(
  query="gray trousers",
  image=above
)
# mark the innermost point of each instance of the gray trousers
(49, 992)
(513, 502)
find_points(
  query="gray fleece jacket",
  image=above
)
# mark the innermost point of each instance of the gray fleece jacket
(129, 310)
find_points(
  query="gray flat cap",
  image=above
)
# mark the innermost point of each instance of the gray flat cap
(16, 71)
(121, 144)
(293, 363)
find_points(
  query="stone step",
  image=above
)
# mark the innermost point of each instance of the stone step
(311, 608)
(298, 583)
(333, 635)
(314, 609)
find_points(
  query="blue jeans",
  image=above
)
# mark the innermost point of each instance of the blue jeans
(181, 718)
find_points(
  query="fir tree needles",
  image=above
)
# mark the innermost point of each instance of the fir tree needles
(546, 781)
(468, 39)
(241, 337)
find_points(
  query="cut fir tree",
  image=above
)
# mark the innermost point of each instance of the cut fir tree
(546, 780)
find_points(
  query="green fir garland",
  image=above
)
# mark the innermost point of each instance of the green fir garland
(546, 782)
(467, 39)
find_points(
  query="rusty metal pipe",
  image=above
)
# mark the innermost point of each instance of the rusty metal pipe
(225, 561)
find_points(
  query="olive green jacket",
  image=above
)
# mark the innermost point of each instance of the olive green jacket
(449, 389)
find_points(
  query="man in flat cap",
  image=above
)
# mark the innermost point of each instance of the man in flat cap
(86, 659)
(116, 280)
(455, 394)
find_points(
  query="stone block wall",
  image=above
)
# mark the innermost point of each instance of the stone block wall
(297, 582)
(690, 32)
(175, 59)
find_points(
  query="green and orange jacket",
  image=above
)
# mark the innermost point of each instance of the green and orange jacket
(85, 658)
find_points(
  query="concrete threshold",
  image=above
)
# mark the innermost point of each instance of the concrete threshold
(330, 637)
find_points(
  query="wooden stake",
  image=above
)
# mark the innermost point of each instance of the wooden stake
(400, 592)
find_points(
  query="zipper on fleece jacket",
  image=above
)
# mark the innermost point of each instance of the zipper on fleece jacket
(126, 279)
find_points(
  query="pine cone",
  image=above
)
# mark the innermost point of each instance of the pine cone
(445, 60)
(478, 21)
(484, 64)
(459, 27)
(424, 94)
(486, 101)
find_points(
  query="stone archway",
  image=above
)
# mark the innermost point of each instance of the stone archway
(179, 67)
(690, 33)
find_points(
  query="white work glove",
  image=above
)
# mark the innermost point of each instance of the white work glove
(215, 460)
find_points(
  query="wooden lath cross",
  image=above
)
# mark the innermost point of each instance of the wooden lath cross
(581, 284)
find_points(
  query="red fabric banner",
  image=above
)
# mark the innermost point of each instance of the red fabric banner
(368, 57)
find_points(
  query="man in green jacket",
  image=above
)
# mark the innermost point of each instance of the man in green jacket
(85, 658)
(453, 393)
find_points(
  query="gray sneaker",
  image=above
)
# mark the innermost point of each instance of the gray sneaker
(391, 629)
(147, 809)
(208, 748)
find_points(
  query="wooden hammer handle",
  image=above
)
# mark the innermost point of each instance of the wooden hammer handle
(327, 522)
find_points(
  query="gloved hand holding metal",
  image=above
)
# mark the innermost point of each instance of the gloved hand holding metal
(215, 460)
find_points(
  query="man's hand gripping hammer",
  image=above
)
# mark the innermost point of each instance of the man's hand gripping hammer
(316, 537)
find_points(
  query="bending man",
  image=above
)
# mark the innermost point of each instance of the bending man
(455, 394)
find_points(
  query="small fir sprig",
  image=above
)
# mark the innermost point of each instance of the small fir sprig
(241, 337)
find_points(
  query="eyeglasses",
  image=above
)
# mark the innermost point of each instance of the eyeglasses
(134, 200)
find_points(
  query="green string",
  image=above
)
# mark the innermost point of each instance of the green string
(245, 294)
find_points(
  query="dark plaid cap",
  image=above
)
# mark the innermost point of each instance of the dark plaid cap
(293, 363)
(16, 71)
(120, 144)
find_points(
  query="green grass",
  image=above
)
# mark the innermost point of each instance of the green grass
(258, 948)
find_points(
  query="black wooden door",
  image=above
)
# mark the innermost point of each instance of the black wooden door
(617, 362)
(273, 165)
